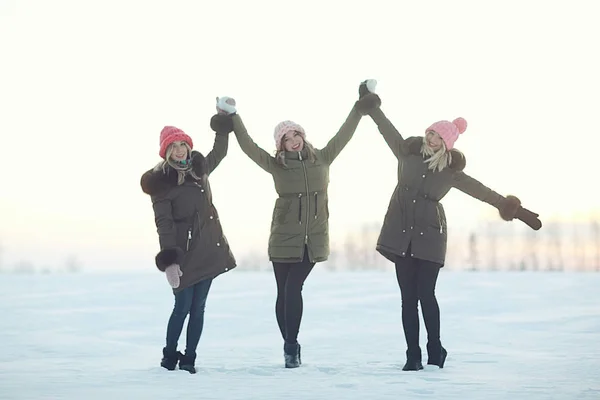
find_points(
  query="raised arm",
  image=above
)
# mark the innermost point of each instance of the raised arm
(218, 152)
(226, 108)
(337, 143)
(252, 150)
(392, 137)
(509, 207)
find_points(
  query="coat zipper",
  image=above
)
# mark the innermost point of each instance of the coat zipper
(316, 208)
(189, 239)
(190, 229)
(307, 202)
(300, 208)
(437, 209)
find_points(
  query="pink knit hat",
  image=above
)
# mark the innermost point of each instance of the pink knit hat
(284, 127)
(171, 134)
(449, 131)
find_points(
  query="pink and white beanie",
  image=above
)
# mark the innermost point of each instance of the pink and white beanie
(284, 127)
(449, 131)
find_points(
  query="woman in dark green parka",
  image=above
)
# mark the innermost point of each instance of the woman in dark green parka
(193, 247)
(414, 232)
(299, 235)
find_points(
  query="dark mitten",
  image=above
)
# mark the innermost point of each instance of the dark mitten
(367, 86)
(508, 207)
(221, 124)
(368, 103)
(529, 217)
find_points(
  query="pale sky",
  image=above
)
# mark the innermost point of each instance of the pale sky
(86, 87)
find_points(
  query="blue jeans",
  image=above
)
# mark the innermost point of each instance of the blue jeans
(192, 301)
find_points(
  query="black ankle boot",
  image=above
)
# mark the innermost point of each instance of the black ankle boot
(291, 353)
(438, 358)
(186, 363)
(413, 361)
(170, 359)
(412, 365)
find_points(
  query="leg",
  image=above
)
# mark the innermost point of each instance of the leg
(281, 271)
(406, 274)
(195, 325)
(294, 304)
(196, 321)
(427, 279)
(183, 301)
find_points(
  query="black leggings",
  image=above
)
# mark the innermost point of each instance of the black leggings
(290, 278)
(417, 279)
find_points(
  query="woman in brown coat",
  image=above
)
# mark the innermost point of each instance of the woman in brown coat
(193, 248)
(414, 231)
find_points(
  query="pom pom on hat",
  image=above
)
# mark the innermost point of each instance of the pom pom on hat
(461, 124)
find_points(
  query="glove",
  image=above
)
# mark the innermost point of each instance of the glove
(366, 87)
(510, 208)
(226, 105)
(367, 103)
(173, 273)
(221, 123)
(530, 218)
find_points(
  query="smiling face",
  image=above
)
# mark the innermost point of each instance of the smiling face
(179, 151)
(293, 141)
(434, 140)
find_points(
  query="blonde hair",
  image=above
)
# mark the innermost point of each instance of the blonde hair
(182, 170)
(439, 159)
(280, 154)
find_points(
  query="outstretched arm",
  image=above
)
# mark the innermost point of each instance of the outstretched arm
(476, 189)
(392, 137)
(509, 206)
(252, 150)
(337, 143)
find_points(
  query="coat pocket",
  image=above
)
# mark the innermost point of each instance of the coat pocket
(281, 211)
(441, 217)
(184, 235)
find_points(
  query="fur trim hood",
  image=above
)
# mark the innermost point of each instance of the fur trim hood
(156, 182)
(459, 161)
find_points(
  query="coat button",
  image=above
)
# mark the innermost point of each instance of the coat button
(211, 217)
(226, 269)
(202, 190)
(218, 244)
(423, 175)
(411, 227)
(414, 201)
(421, 233)
(403, 253)
(412, 255)
(404, 230)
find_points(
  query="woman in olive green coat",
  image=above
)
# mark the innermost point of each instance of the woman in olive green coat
(299, 228)
(414, 230)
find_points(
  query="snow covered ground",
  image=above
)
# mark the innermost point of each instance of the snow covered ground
(516, 335)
